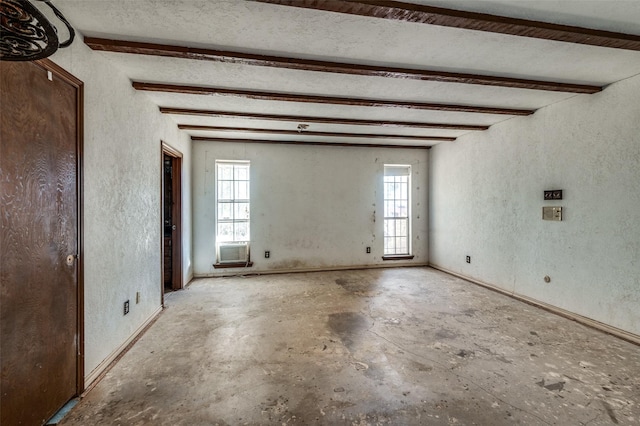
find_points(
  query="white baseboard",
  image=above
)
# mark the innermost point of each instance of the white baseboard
(106, 363)
(625, 335)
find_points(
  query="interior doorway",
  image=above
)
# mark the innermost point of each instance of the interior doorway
(171, 219)
(41, 281)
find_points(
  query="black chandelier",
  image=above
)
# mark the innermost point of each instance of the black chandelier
(26, 34)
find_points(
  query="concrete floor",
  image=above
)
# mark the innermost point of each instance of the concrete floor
(401, 346)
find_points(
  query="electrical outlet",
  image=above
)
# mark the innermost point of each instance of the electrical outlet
(126, 307)
(468, 259)
(368, 249)
(267, 254)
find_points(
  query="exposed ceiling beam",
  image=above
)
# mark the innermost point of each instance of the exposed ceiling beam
(418, 13)
(343, 144)
(313, 133)
(320, 120)
(287, 97)
(123, 46)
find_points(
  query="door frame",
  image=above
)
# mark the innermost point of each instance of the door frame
(70, 79)
(176, 213)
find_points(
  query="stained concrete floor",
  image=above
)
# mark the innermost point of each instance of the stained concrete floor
(403, 346)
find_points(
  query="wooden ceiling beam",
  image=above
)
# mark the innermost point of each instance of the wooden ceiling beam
(321, 120)
(123, 46)
(280, 142)
(424, 14)
(313, 133)
(287, 97)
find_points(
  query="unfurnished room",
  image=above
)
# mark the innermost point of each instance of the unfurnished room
(331, 212)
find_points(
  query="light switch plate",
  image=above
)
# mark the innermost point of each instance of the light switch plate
(552, 213)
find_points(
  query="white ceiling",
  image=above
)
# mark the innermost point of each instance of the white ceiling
(303, 33)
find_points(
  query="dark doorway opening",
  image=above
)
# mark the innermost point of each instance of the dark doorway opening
(171, 219)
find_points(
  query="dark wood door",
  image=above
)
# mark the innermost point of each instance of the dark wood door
(168, 223)
(172, 218)
(39, 148)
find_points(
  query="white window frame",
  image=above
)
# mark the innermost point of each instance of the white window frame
(234, 202)
(396, 174)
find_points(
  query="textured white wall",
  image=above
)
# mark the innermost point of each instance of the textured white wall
(312, 207)
(122, 155)
(486, 197)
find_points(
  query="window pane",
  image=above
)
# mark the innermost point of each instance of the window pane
(388, 190)
(389, 228)
(401, 246)
(241, 231)
(401, 227)
(225, 232)
(398, 210)
(242, 190)
(225, 190)
(241, 173)
(241, 211)
(225, 211)
(225, 171)
(388, 208)
(402, 210)
(389, 245)
(403, 191)
(391, 209)
(397, 187)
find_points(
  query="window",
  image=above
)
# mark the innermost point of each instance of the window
(397, 211)
(232, 212)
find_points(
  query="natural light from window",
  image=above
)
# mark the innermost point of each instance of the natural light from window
(233, 202)
(397, 212)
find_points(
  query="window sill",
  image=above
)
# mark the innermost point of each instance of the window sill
(398, 257)
(233, 265)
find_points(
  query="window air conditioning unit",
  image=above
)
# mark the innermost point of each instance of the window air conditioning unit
(233, 252)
